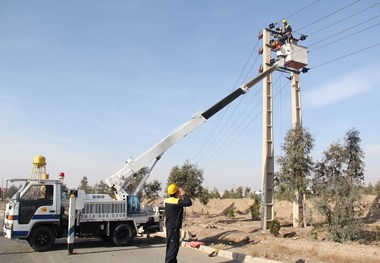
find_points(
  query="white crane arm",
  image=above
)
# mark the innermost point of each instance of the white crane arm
(132, 166)
(117, 180)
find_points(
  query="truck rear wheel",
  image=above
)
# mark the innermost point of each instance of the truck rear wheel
(122, 235)
(42, 238)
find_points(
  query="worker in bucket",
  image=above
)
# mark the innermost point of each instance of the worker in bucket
(287, 32)
(178, 199)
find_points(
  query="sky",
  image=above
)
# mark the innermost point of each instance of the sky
(90, 84)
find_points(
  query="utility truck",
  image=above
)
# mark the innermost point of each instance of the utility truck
(38, 212)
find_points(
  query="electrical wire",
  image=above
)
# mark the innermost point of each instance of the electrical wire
(216, 147)
(345, 30)
(239, 129)
(344, 19)
(347, 55)
(220, 117)
(333, 13)
(302, 9)
(339, 39)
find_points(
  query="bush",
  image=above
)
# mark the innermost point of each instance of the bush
(255, 208)
(230, 213)
(274, 227)
(349, 230)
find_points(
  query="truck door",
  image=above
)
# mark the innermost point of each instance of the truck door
(36, 196)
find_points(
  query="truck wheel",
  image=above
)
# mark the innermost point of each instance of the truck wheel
(42, 238)
(122, 235)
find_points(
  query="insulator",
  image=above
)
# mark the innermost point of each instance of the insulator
(305, 70)
(272, 25)
(260, 51)
(260, 36)
(261, 69)
(303, 37)
(272, 61)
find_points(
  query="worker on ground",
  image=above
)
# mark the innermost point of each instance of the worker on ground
(287, 32)
(178, 199)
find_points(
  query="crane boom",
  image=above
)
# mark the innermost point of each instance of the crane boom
(116, 181)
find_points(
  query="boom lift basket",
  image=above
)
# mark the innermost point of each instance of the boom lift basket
(295, 55)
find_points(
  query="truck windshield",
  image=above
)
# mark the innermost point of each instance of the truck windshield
(16, 187)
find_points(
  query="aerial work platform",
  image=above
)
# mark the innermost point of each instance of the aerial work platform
(295, 56)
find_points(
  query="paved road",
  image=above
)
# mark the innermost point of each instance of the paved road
(97, 251)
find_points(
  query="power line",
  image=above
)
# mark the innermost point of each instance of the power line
(337, 11)
(345, 30)
(350, 54)
(206, 140)
(298, 11)
(339, 39)
(333, 24)
(238, 130)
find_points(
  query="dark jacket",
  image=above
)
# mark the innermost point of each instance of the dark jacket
(174, 210)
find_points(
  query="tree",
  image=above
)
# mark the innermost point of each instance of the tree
(226, 194)
(376, 189)
(239, 192)
(149, 190)
(189, 177)
(103, 188)
(131, 184)
(85, 186)
(247, 192)
(215, 193)
(152, 189)
(368, 190)
(204, 196)
(296, 166)
(11, 191)
(232, 193)
(337, 181)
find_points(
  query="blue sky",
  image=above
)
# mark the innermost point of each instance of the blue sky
(89, 84)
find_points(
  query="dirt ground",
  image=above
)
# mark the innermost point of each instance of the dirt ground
(210, 225)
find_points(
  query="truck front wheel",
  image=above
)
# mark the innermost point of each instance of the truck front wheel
(122, 235)
(42, 238)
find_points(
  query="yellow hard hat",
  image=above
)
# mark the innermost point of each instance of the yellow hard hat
(172, 189)
(284, 21)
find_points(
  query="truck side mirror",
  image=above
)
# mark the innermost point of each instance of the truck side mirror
(17, 196)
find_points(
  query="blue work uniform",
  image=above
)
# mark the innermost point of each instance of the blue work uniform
(174, 216)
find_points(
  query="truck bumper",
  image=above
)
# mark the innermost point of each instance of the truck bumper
(7, 233)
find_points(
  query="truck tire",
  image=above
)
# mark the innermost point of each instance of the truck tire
(122, 235)
(42, 238)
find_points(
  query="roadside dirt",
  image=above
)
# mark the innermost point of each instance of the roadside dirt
(210, 225)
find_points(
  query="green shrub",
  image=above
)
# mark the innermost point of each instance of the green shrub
(314, 234)
(342, 230)
(230, 213)
(274, 227)
(255, 208)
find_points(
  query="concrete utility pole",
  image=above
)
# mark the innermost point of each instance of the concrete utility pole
(296, 122)
(267, 211)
